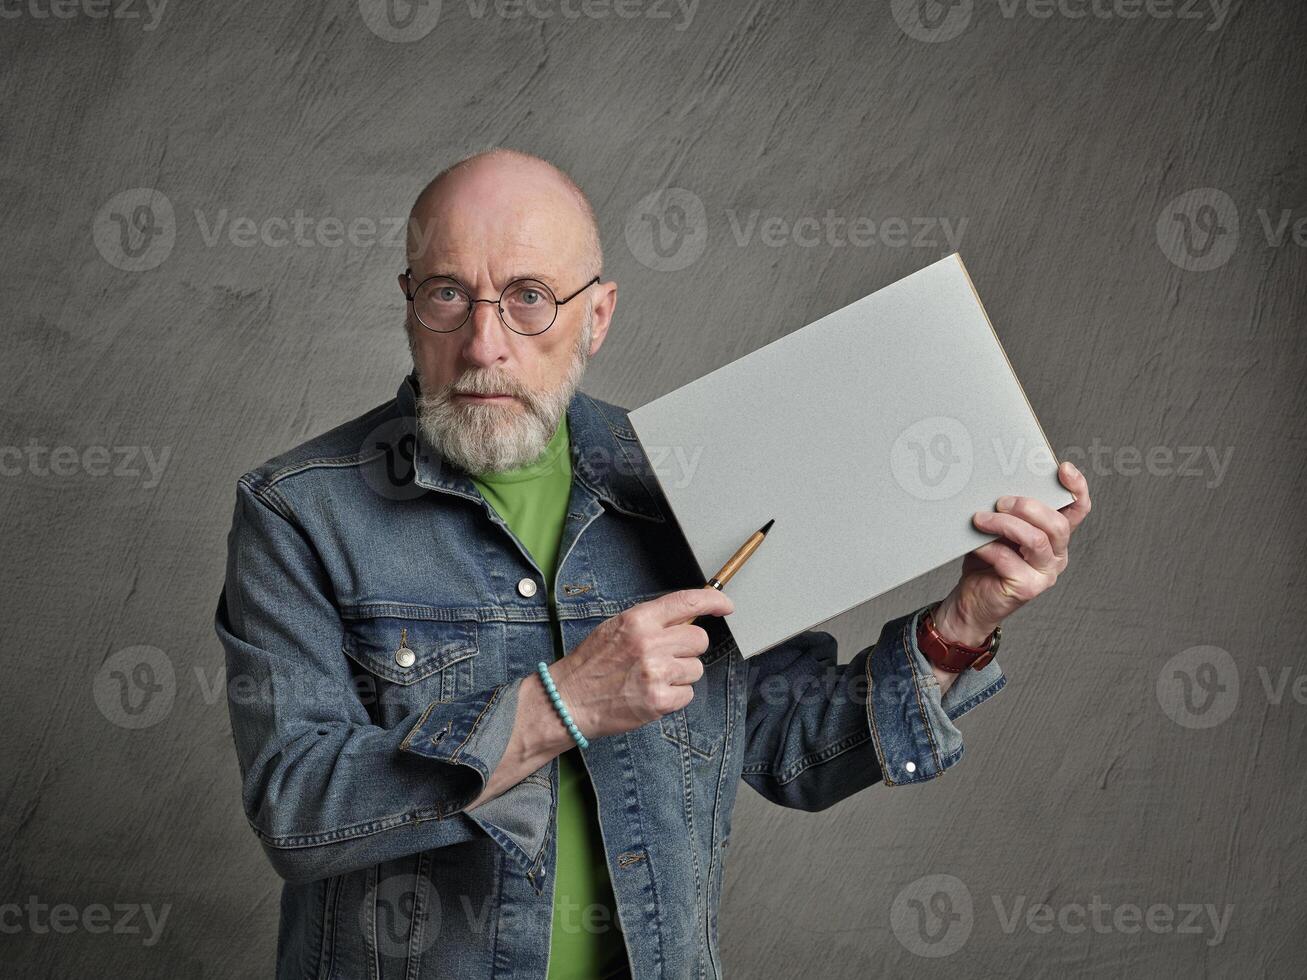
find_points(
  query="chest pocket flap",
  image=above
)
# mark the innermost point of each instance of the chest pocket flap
(405, 650)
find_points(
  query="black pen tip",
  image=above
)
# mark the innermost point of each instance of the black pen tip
(767, 527)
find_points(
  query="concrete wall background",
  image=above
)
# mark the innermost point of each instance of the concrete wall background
(1068, 152)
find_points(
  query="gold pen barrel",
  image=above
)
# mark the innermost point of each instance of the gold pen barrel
(736, 561)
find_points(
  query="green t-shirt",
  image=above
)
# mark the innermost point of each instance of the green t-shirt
(587, 938)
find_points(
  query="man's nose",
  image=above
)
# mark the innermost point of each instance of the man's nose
(487, 337)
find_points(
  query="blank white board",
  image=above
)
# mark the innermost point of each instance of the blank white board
(871, 436)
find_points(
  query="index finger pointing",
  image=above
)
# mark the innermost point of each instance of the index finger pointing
(685, 605)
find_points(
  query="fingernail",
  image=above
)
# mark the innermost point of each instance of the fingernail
(1071, 468)
(1005, 502)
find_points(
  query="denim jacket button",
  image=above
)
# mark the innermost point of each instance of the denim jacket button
(910, 766)
(527, 587)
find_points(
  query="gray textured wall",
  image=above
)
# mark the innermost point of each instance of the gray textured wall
(1062, 155)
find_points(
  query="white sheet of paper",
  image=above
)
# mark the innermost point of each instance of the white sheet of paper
(871, 436)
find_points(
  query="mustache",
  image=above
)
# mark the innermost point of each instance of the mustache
(480, 383)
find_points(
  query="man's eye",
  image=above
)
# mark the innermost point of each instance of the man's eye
(448, 294)
(530, 296)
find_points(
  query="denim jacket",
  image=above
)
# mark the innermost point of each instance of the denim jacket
(378, 619)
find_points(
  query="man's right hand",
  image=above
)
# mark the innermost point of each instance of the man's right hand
(639, 665)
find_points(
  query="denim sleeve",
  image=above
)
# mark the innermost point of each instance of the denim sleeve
(326, 790)
(818, 732)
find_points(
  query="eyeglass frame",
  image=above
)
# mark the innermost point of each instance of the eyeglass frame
(499, 302)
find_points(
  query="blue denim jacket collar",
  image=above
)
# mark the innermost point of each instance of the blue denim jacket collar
(606, 457)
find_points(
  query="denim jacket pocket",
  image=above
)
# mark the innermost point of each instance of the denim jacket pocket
(409, 661)
(693, 726)
(678, 727)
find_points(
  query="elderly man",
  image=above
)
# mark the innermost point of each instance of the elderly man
(478, 732)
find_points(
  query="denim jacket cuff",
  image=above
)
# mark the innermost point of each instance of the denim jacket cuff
(911, 723)
(471, 732)
(475, 733)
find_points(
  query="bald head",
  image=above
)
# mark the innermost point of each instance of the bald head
(491, 394)
(509, 198)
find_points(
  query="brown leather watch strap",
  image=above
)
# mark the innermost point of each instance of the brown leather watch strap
(953, 657)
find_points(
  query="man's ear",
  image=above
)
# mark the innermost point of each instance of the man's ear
(602, 311)
(403, 284)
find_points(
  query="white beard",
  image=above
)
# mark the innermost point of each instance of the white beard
(491, 438)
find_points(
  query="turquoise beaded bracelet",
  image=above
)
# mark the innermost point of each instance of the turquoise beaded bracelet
(557, 699)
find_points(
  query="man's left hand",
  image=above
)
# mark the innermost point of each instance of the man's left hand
(1000, 577)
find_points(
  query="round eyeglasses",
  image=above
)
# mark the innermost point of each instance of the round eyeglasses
(526, 306)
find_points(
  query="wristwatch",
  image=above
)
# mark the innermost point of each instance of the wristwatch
(953, 657)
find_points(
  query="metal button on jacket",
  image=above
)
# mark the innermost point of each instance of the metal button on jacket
(404, 656)
(526, 587)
